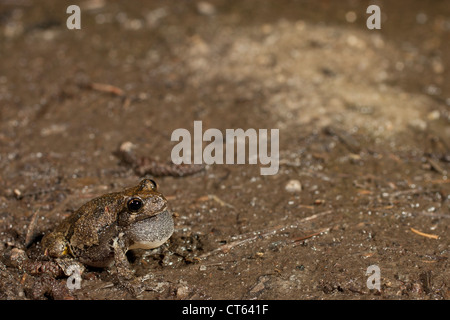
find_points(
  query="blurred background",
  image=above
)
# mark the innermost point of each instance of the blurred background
(364, 138)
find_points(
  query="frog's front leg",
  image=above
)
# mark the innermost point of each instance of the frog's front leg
(126, 276)
(121, 261)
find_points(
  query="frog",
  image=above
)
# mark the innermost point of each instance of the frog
(103, 230)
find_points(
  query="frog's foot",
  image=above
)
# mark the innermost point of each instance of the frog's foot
(46, 286)
(70, 266)
(17, 258)
(134, 286)
(126, 276)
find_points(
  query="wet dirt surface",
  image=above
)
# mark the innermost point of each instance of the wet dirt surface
(364, 141)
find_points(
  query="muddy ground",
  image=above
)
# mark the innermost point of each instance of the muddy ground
(364, 132)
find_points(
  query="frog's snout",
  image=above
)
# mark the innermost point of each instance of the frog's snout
(157, 203)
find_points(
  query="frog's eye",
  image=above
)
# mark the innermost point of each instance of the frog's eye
(134, 205)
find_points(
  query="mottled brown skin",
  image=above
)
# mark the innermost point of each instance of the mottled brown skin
(101, 231)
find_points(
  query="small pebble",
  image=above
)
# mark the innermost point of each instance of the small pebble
(350, 16)
(182, 292)
(434, 115)
(293, 186)
(17, 194)
(206, 8)
(126, 146)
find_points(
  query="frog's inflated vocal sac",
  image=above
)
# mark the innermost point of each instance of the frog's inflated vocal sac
(105, 228)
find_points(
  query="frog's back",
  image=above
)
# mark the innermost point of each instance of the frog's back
(87, 219)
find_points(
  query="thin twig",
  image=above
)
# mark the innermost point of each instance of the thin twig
(216, 199)
(262, 234)
(403, 192)
(116, 91)
(431, 236)
(31, 230)
(108, 88)
(440, 181)
(436, 166)
(297, 239)
(146, 165)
